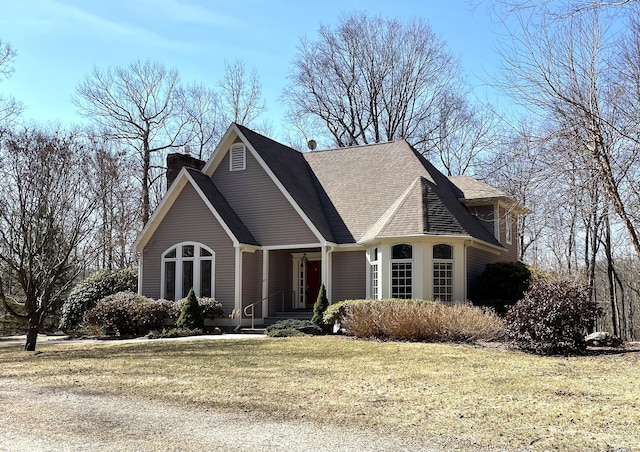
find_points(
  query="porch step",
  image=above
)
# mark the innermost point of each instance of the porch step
(302, 314)
(252, 331)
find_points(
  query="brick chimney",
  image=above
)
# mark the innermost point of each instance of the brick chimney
(176, 161)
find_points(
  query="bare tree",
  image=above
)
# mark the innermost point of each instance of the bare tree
(465, 133)
(44, 217)
(117, 209)
(203, 112)
(9, 107)
(372, 79)
(139, 106)
(240, 94)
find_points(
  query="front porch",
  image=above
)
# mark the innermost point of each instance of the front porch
(289, 286)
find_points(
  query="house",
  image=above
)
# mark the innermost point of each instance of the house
(263, 223)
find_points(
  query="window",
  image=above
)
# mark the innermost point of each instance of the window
(237, 158)
(373, 290)
(443, 272)
(508, 228)
(402, 271)
(185, 266)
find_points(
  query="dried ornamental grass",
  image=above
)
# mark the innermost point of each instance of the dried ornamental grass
(414, 320)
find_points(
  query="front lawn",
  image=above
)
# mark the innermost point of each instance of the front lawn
(471, 395)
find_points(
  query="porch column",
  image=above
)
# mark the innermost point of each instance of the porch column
(325, 273)
(265, 283)
(238, 285)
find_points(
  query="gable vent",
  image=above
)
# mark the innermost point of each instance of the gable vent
(237, 160)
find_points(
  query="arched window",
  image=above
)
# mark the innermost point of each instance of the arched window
(187, 265)
(402, 271)
(443, 272)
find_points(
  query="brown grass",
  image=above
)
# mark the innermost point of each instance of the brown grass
(469, 395)
(414, 320)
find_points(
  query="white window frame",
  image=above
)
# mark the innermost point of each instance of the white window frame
(238, 157)
(374, 274)
(401, 265)
(508, 224)
(197, 260)
(446, 265)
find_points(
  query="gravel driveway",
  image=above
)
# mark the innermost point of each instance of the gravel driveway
(41, 419)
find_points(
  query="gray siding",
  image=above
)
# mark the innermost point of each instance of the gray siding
(349, 277)
(260, 204)
(485, 214)
(189, 219)
(252, 280)
(280, 280)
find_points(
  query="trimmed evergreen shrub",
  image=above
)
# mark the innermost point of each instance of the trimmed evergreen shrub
(552, 318)
(86, 294)
(191, 314)
(319, 307)
(501, 285)
(285, 327)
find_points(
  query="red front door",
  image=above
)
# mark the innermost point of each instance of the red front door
(313, 282)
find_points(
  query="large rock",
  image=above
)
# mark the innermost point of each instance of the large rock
(602, 339)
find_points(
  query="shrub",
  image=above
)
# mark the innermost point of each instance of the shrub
(87, 293)
(173, 332)
(151, 314)
(191, 314)
(502, 284)
(319, 307)
(285, 327)
(113, 314)
(210, 308)
(337, 312)
(419, 320)
(553, 317)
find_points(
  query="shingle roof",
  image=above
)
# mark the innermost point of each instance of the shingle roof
(292, 170)
(220, 204)
(389, 189)
(474, 189)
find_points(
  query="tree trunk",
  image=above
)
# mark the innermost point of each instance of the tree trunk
(32, 334)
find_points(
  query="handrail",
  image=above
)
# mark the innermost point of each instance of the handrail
(252, 306)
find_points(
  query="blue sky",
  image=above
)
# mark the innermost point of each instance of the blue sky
(60, 41)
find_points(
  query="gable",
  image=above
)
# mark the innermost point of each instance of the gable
(260, 204)
(188, 219)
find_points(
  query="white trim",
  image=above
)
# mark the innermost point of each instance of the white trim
(508, 228)
(291, 247)
(496, 221)
(265, 283)
(140, 267)
(238, 284)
